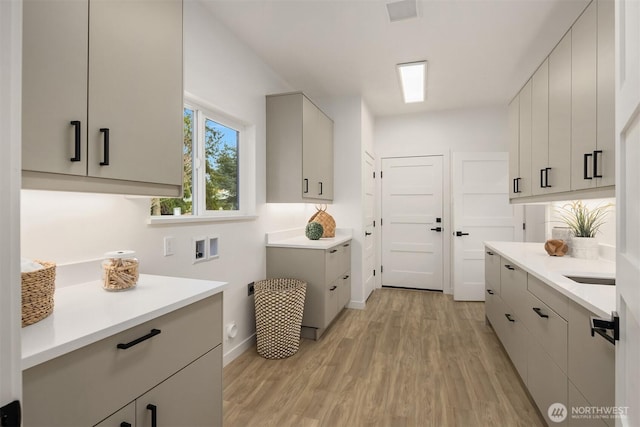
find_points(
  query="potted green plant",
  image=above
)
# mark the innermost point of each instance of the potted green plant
(584, 224)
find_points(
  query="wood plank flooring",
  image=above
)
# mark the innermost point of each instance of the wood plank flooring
(412, 358)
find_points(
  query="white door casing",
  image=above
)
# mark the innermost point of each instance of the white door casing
(627, 27)
(369, 254)
(480, 208)
(412, 249)
(10, 137)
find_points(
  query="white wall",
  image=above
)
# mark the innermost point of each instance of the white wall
(68, 227)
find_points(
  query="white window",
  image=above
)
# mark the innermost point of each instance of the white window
(217, 158)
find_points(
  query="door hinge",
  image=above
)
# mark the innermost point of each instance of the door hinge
(524, 226)
(11, 415)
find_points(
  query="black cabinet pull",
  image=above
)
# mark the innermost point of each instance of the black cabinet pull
(366, 233)
(154, 414)
(542, 179)
(306, 186)
(490, 292)
(438, 229)
(151, 334)
(539, 312)
(508, 316)
(546, 178)
(320, 193)
(490, 253)
(586, 165)
(77, 131)
(515, 185)
(518, 185)
(595, 164)
(125, 424)
(460, 233)
(509, 267)
(333, 251)
(345, 277)
(346, 245)
(105, 161)
(333, 288)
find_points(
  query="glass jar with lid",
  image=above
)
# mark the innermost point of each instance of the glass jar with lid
(119, 270)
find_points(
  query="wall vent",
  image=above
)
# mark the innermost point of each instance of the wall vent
(401, 10)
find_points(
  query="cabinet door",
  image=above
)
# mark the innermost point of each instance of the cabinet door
(191, 397)
(125, 417)
(331, 301)
(325, 162)
(579, 403)
(135, 90)
(524, 154)
(583, 98)
(317, 152)
(560, 116)
(540, 131)
(492, 271)
(548, 329)
(54, 85)
(546, 383)
(514, 145)
(606, 89)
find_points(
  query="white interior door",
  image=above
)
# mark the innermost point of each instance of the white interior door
(481, 212)
(628, 209)
(10, 124)
(369, 225)
(411, 214)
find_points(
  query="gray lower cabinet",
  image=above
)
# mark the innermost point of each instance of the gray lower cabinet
(328, 276)
(548, 339)
(178, 370)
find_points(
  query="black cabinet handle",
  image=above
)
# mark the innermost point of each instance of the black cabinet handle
(518, 185)
(438, 229)
(333, 288)
(546, 178)
(345, 277)
(366, 233)
(515, 188)
(595, 164)
(542, 179)
(346, 245)
(509, 267)
(151, 334)
(306, 186)
(77, 131)
(125, 424)
(490, 253)
(508, 316)
(320, 193)
(154, 414)
(333, 251)
(539, 312)
(105, 161)
(586, 165)
(460, 233)
(490, 292)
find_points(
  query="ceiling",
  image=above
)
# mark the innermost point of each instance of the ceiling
(479, 52)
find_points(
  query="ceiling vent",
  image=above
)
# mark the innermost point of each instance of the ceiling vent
(401, 10)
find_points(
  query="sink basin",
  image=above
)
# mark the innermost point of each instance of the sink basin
(593, 280)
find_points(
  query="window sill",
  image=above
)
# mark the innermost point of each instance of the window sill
(188, 219)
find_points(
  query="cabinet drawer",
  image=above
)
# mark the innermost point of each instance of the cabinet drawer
(550, 331)
(547, 383)
(493, 308)
(331, 301)
(513, 286)
(492, 271)
(104, 377)
(554, 299)
(346, 258)
(334, 263)
(513, 335)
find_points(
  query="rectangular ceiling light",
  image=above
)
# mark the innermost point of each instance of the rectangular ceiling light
(412, 80)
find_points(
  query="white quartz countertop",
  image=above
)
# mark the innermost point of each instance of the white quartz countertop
(297, 239)
(86, 313)
(599, 299)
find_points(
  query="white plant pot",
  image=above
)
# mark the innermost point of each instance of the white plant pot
(584, 247)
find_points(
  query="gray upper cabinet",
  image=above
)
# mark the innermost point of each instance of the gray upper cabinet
(299, 150)
(540, 129)
(102, 96)
(524, 155)
(514, 145)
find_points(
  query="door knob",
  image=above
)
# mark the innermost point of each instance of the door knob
(438, 229)
(460, 233)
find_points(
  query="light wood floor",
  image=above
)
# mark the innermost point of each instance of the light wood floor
(411, 358)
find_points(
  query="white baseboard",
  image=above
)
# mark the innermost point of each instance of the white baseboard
(358, 305)
(236, 351)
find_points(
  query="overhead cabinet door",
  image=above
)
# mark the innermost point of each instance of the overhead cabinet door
(135, 90)
(54, 86)
(524, 156)
(514, 146)
(540, 130)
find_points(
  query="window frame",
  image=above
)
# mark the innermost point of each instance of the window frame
(246, 167)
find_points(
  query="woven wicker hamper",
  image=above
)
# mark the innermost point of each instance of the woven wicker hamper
(38, 288)
(279, 305)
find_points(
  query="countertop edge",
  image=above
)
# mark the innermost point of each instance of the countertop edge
(83, 341)
(321, 244)
(548, 281)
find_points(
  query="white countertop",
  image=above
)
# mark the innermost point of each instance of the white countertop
(86, 313)
(296, 239)
(599, 299)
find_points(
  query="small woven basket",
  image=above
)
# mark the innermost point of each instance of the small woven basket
(326, 220)
(38, 288)
(279, 305)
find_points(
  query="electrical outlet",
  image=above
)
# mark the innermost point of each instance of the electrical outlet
(250, 289)
(169, 246)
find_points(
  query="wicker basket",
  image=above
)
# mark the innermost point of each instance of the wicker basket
(326, 220)
(279, 306)
(38, 288)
